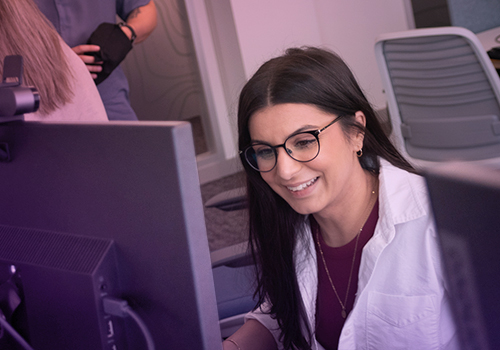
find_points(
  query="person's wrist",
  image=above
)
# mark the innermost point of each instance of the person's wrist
(233, 343)
(128, 30)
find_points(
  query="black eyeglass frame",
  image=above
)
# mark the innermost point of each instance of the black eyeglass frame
(315, 133)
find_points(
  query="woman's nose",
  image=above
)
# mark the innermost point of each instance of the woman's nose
(286, 166)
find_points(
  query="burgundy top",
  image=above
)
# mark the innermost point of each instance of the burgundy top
(329, 320)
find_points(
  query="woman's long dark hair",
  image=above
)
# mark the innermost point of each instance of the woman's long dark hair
(25, 31)
(315, 77)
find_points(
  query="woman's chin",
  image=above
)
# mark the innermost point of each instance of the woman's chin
(305, 208)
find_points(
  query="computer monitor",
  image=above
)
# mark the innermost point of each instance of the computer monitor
(93, 215)
(466, 204)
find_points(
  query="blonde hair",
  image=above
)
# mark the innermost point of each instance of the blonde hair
(25, 31)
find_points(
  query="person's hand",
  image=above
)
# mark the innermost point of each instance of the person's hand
(93, 66)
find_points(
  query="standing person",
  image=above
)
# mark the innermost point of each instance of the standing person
(67, 92)
(76, 20)
(340, 225)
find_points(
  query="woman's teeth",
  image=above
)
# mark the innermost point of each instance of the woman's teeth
(303, 186)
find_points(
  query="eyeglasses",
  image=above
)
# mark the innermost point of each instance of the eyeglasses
(302, 147)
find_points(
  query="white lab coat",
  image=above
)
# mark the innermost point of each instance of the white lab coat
(401, 301)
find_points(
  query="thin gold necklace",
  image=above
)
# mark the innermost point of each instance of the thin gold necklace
(343, 304)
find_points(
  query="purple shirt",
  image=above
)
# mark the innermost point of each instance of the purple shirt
(75, 20)
(329, 321)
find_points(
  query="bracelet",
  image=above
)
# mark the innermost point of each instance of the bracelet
(235, 343)
(132, 38)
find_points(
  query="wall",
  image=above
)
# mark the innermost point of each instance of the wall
(476, 15)
(351, 28)
(266, 27)
(162, 71)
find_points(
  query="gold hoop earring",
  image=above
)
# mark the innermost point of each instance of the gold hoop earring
(359, 153)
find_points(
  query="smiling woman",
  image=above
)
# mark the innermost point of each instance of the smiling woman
(319, 181)
(323, 180)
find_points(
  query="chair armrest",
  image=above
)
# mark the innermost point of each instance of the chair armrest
(236, 255)
(230, 200)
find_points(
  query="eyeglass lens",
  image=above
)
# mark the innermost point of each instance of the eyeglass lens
(302, 147)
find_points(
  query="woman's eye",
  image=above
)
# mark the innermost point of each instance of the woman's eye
(304, 143)
(264, 153)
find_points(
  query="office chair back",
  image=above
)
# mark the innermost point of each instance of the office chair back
(443, 95)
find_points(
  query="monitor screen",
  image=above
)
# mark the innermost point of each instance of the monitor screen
(95, 215)
(466, 204)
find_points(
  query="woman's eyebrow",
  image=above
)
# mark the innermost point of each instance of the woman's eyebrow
(305, 128)
(299, 130)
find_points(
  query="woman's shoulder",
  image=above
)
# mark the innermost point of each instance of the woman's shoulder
(403, 195)
(395, 177)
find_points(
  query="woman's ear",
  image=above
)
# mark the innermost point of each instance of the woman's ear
(359, 137)
(360, 118)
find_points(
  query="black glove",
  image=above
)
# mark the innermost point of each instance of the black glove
(494, 53)
(114, 46)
